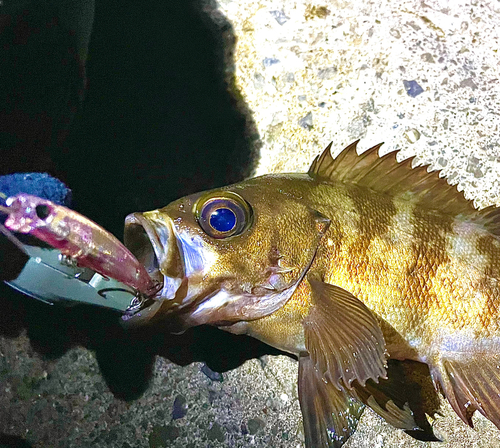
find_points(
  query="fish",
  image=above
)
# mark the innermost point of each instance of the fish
(81, 240)
(381, 278)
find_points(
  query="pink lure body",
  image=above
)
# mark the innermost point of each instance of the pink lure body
(78, 237)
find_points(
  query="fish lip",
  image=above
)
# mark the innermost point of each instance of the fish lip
(172, 258)
(151, 239)
(153, 243)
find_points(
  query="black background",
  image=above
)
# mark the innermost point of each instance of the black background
(159, 118)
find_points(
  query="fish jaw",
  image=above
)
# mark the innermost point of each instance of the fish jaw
(151, 240)
(176, 260)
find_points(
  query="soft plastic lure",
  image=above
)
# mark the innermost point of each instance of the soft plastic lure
(79, 238)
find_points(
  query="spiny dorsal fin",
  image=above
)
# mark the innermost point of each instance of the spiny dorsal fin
(384, 174)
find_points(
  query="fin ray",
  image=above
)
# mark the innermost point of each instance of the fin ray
(343, 336)
(385, 174)
(330, 415)
(471, 382)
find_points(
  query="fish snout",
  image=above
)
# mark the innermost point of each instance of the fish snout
(151, 239)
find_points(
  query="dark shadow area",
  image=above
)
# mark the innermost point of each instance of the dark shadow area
(8, 441)
(126, 358)
(41, 84)
(159, 121)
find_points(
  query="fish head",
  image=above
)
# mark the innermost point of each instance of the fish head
(227, 255)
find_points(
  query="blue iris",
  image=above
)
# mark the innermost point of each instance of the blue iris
(223, 220)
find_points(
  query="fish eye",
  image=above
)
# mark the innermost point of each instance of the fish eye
(223, 215)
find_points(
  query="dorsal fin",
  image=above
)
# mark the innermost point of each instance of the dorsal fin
(385, 174)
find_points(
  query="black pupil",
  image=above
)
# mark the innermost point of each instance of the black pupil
(42, 211)
(223, 220)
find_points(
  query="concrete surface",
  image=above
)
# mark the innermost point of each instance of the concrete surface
(422, 77)
(67, 404)
(313, 72)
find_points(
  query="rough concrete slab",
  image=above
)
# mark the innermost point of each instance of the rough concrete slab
(420, 76)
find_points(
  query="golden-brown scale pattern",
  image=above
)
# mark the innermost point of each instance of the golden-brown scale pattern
(367, 261)
(397, 258)
(427, 252)
(490, 247)
(467, 285)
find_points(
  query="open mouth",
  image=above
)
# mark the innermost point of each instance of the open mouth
(137, 240)
(173, 259)
(152, 242)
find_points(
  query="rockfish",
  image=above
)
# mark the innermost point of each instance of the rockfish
(382, 279)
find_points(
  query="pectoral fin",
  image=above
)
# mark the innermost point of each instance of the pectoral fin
(330, 415)
(343, 337)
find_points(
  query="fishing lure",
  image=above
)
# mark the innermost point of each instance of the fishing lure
(78, 238)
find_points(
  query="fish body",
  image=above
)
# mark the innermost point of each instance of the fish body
(432, 277)
(381, 278)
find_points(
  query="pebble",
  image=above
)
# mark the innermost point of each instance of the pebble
(412, 135)
(279, 16)
(413, 88)
(216, 432)
(254, 425)
(307, 121)
(180, 407)
(214, 376)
